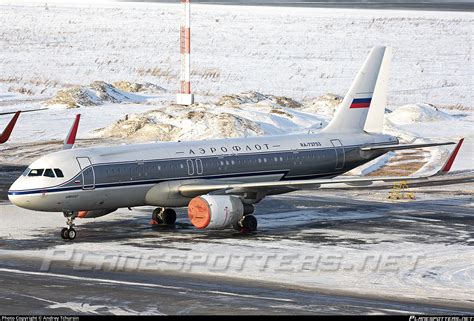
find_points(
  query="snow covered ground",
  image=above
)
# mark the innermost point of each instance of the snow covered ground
(297, 52)
(294, 52)
(300, 53)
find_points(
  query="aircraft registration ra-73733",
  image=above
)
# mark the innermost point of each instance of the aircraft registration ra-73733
(220, 180)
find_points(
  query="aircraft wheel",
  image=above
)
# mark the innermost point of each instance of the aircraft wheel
(249, 223)
(63, 233)
(157, 215)
(236, 226)
(168, 216)
(71, 234)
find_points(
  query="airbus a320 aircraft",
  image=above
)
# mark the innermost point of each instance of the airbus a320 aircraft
(218, 180)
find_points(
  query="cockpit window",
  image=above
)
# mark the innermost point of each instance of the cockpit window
(36, 172)
(48, 172)
(59, 173)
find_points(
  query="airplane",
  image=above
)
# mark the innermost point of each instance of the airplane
(23, 111)
(221, 180)
(71, 136)
(8, 130)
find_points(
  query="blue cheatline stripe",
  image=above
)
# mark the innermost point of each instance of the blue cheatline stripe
(147, 182)
(138, 183)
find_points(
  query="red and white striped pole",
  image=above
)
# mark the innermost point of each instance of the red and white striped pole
(185, 97)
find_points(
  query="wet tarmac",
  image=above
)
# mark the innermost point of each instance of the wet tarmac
(63, 291)
(26, 289)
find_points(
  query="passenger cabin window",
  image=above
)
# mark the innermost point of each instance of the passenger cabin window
(48, 172)
(58, 172)
(26, 171)
(36, 172)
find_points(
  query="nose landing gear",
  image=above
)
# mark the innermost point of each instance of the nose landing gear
(69, 233)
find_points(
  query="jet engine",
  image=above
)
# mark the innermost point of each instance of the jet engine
(216, 211)
(95, 213)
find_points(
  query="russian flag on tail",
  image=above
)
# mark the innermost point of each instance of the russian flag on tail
(361, 103)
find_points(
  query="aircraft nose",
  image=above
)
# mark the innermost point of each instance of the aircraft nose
(15, 186)
(14, 193)
(13, 198)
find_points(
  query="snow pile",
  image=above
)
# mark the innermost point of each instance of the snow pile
(134, 87)
(253, 97)
(238, 115)
(176, 122)
(416, 113)
(97, 93)
(323, 105)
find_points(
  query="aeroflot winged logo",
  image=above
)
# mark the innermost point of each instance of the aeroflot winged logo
(361, 103)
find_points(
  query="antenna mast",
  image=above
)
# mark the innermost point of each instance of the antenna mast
(184, 96)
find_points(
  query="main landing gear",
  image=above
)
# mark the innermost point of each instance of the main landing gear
(163, 216)
(69, 233)
(246, 224)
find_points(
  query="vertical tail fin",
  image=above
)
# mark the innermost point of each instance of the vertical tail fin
(71, 136)
(374, 121)
(8, 130)
(363, 106)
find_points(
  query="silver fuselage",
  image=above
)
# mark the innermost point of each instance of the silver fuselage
(121, 176)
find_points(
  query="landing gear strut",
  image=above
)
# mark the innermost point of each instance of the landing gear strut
(164, 216)
(248, 223)
(69, 233)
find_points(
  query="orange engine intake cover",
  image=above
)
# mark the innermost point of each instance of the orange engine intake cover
(199, 212)
(82, 214)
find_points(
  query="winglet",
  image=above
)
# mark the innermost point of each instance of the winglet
(8, 130)
(447, 165)
(71, 137)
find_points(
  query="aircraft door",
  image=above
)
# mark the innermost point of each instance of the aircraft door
(190, 167)
(199, 168)
(88, 175)
(340, 154)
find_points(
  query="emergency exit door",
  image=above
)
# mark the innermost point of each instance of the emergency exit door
(340, 154)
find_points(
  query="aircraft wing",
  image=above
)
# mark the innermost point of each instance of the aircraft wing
(192, 190)
(23, 111)
(235, 188)
(401, 146)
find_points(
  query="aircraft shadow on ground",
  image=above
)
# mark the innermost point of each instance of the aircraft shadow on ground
(278, 219)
